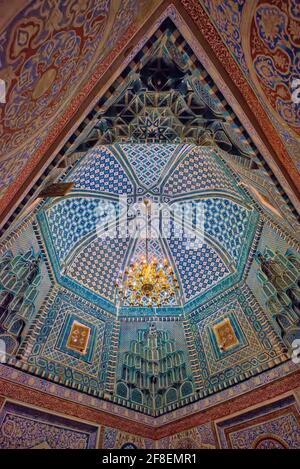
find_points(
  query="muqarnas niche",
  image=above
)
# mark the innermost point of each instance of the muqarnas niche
(154, 372)
(20, 279)
(279, 276)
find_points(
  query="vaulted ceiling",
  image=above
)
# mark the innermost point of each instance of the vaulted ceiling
(173, 103)
(48, 91)
(87, 253)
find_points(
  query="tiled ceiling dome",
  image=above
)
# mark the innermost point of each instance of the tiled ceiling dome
(206, 258)
(160, 136)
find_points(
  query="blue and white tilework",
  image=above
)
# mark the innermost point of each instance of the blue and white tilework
(148, 161)
(101, 171)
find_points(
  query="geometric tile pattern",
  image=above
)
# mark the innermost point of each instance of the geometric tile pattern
(223, 220)
(248, 351)
(25, 428)
(51, 354)
(242, 353)
(98, 265)
(198, 171)
(200, 268)
(254, 348)
(55, 350)
(198, 264)
(226, 221)
(72, 218)
(154, 249)
(148, 161)
(101, 171)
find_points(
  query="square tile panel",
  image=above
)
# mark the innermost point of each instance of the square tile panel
(78, 337)
(225, 335)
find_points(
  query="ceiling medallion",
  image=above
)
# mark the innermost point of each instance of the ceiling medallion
(146, 282)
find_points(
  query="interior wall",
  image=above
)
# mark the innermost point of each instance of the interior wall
(249, 342)
(272, 424)
(52, 353)
(25, 283)
(175, 380)
(275, 285)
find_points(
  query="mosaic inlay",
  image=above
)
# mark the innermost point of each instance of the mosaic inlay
(225, 335)
(78, 338)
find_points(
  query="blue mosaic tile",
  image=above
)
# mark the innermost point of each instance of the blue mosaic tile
(225, 221)
(73, 218)
(101, 171)
(199, 170)
(98, 265)
(148, 161)
(198, 264)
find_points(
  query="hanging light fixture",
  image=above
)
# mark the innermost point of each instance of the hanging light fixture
(146, 282)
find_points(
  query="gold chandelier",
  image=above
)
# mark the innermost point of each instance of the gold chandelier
(146, 282)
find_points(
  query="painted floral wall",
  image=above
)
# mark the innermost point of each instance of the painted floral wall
(262, 36)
